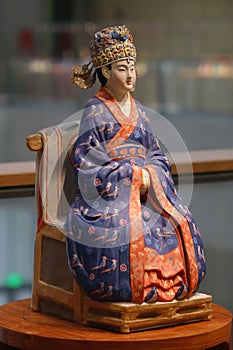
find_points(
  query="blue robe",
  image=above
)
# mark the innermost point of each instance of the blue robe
(123, 245)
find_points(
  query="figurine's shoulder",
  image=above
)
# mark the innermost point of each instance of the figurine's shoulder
(138, 103)
(93, 101)
(143, 111)
(94, 108)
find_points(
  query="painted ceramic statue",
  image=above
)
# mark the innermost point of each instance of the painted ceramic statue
(130, 238)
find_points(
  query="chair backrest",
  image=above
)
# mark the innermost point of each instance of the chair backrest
(54, 174)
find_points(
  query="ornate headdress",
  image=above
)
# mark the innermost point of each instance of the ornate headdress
(107, 46)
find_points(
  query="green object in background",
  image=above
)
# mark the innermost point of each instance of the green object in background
(14, 281)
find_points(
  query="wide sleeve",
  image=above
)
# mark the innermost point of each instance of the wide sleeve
(95, 173)
(156, 159)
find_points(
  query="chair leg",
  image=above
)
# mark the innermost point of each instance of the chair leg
(37, 272)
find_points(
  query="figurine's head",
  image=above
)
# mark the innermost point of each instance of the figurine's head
(107, 46)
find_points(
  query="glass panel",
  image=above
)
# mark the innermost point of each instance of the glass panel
(17, 230)
(186, 75)
(212, 206)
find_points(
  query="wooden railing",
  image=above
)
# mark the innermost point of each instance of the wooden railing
(17, 174)
(207, 162)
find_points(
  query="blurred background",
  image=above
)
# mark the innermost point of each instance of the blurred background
(185, 72)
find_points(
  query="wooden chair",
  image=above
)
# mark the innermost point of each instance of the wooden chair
(54, 290)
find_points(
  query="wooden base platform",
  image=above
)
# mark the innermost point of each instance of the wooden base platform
(129, 317)
(22, 328)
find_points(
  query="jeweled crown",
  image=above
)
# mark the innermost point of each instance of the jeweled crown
(111, 44)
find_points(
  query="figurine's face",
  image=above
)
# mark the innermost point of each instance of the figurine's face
(122, 77)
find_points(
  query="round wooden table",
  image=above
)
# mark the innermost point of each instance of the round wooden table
(22, 328)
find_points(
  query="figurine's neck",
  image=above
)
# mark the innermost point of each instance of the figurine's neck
(122, 97)
(122, 100)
